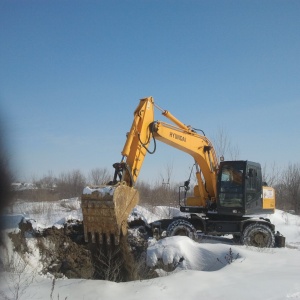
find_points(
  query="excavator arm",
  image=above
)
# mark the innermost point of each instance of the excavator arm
(180, 136)
(138, 140)
(200, 148)
(106, 209)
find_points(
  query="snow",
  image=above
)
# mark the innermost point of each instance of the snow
(205, 269)
(105, 190)
(152, 214)
(11, 222)
(197, 256)
(42, 214)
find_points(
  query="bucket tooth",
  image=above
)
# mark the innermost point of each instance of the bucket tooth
(93, 237)
(100, 238)
(86, 235)
(108, 239)
(116, 240)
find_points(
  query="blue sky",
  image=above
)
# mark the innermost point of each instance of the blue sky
(72, 73)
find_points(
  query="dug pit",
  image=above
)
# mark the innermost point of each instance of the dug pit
(64, 253)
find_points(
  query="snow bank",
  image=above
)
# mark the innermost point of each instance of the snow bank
(186, 254)
(288, 225)
(202, 270)
(42, 214)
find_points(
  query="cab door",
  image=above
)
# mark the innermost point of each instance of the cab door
(231, 188)
(253, 186)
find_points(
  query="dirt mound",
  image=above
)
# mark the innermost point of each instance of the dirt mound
(63, 252)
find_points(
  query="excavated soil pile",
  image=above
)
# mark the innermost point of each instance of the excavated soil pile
(63, 252)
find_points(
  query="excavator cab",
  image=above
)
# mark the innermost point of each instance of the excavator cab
(240, 190)
(231, 188)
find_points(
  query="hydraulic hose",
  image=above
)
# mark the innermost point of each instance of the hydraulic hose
(145, 144)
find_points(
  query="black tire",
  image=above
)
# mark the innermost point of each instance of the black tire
(182, 227)
(258, 235)
(236, 239)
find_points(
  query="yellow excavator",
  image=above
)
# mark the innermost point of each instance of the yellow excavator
(225, 196)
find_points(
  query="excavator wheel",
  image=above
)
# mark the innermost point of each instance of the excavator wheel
(258, 235)
(182, 227)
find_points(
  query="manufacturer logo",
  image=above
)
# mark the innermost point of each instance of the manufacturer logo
(177, 137)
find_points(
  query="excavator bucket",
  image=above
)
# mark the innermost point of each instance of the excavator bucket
(105, 211)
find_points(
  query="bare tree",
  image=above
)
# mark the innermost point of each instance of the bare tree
(71, 184)
(168, 174)
(234, 152)
(98, 176)
(271, 175)
(115, 263)
(291, 179)
(223, 145)
(221, 142)
(163, 192)
(288, 189)
(47, 181)
(145, 192)
(18, 278)
(109, 264)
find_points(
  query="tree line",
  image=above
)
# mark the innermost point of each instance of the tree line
(164, 191)
(287, 187)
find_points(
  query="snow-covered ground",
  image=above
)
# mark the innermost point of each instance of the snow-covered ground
(209, 270)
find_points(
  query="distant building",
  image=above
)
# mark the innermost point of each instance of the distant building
(20, 186)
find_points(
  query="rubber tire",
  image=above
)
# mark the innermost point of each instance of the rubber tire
(182, 227)
(258, 235)
(236, 239)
